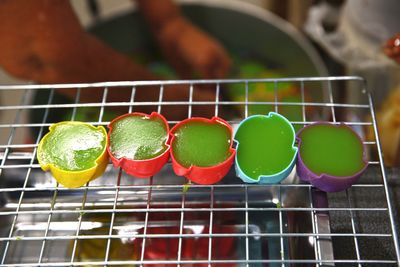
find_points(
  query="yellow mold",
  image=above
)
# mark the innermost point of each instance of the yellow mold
(73, 178)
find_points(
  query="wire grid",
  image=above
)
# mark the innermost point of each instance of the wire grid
(119, 220)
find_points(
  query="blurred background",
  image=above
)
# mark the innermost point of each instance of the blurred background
(264, 39)
(61, 41)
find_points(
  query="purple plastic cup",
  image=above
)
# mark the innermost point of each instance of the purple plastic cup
(326, 182)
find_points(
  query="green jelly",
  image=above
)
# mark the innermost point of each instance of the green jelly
(138, 137)
(73, 146)
(332, 150)
(201, 143)
(265, 146)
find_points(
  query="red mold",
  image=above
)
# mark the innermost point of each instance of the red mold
(140, 168)
(203, 175)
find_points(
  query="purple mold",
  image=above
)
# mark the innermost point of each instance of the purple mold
(326, 182)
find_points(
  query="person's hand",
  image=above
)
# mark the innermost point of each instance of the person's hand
(192, 52)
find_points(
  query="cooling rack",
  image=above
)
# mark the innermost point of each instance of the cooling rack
(118, 220)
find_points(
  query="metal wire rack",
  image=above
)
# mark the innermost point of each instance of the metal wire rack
(124, 221)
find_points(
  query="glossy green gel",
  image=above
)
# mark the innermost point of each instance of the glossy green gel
(331, 150)
(138, 137)
(73, 147)
(265, 146)
(202, 144)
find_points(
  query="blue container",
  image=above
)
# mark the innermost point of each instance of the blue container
(282, 127)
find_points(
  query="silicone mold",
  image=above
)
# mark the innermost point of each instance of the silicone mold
(266, 151)
(204, 157)
(146, 148)
(74, 152)
(336, 158)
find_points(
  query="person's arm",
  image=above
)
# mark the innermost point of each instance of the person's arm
(192, 52)
(43, 41)
(158, 13)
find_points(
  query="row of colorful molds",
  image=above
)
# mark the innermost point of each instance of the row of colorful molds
(329, 156)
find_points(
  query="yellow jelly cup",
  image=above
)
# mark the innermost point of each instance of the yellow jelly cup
(74, 179)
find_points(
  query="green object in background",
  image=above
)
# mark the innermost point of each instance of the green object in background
(267, 92)
(138, 137)
(163, 70)
(73, 146)
(90, 114)
(331, 150)
(202, 144)
(252, 69)
(264, 146)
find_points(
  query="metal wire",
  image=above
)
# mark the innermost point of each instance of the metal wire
(164, 220)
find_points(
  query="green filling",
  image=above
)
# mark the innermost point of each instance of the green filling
(265, 146)
(201, 144)
(331, 150)
(73, 147)
(138, 137)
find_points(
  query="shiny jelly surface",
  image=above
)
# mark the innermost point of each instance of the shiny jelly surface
(331, 150)
(138, 137)
(265, 146)
(73, 147)
(202, 144)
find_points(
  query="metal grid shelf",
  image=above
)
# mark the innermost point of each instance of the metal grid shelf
(118, 220)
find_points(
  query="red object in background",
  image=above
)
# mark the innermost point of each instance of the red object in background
(140, 168)
(203, 175)
(164, 249)
(392, 48)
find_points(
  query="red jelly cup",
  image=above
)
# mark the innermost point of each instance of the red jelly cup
(140, 168)
(203, 175)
